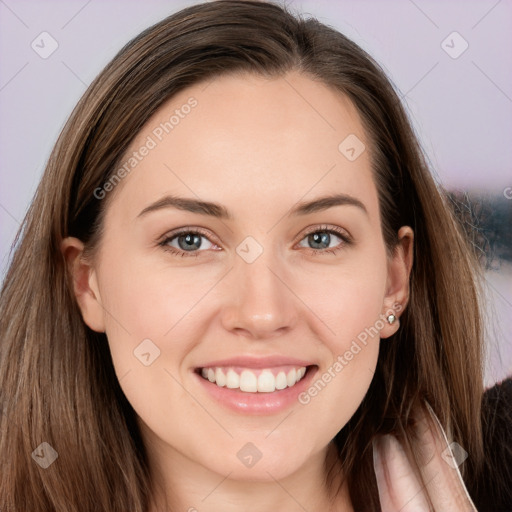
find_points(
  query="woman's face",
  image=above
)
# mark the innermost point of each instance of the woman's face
(285, 269)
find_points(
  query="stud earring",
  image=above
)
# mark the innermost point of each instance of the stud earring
(391, 319)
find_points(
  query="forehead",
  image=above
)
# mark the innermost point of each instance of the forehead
(250, 139)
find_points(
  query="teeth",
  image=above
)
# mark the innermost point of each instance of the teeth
(232, 380)
(281, 381)
(249, 382)
(266, 382)
(291, 378)
(220, 378)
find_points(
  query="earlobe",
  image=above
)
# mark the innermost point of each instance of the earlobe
(84, 282)
(397, 286)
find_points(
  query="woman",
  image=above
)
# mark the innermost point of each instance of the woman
(234, 289)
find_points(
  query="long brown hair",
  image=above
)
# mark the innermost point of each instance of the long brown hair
(57, 381)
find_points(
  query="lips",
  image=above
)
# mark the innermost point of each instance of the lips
(254, 362)
(255, 384)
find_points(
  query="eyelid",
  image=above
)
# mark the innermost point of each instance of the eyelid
(342, 233)
(346, 240)
(185, 230)
(163, 241)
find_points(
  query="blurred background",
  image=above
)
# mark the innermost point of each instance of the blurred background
(450, 61)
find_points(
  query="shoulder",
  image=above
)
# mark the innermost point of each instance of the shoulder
(494, 490)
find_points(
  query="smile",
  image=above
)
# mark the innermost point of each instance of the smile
(262, 380)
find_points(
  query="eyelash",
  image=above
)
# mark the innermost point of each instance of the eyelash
(346, 240)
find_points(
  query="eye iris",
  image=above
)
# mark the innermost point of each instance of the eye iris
(191, 241)
(320, 238)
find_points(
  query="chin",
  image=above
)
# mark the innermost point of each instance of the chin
(248, 463)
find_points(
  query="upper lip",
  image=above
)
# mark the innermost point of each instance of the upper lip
(257, 362)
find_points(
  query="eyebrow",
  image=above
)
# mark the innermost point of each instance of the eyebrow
(189, 205)
(218, 211)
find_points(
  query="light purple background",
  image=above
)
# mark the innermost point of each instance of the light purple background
(461, 108)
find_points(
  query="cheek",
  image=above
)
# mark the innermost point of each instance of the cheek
(152, 318)
(348, 298)
(142, 300)
(339, 387)
(152, 324)
(351, 309)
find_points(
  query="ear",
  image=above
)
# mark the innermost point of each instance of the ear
(397, 286)
(85, 284)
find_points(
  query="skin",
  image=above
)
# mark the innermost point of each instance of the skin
(256, 146)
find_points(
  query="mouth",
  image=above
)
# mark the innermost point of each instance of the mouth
(255, 385)
(254, 380)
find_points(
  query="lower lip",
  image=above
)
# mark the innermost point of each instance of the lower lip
(257, 403)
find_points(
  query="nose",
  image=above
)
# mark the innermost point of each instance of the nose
(261, 303)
